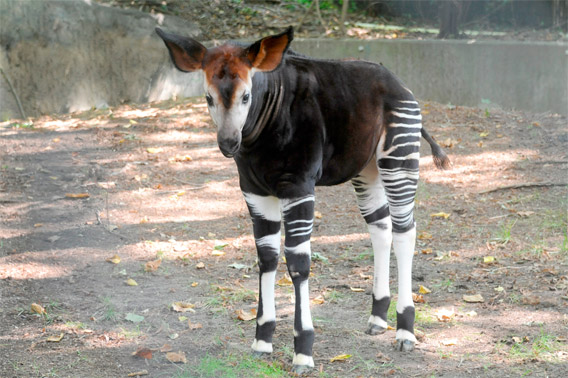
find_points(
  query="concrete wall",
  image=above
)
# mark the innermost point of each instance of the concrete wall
(512, 75)
(65, 56)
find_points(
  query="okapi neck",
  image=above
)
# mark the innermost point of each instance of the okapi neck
(271, 104)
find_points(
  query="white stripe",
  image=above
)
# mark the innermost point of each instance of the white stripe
(303, 360)
(305, 306)
(406, 135)
(409, 109)
(301, 221)
(288, 204)
(264, 207)
(300, 248)
(261, 346)
(403, 115)
(267, 291)
(402, 334)
(272, 241)
(413, 125)
(415, 155)
(378, 321)
(408, 102)
(307, 228)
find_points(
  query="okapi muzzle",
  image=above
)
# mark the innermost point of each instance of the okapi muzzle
(228, 73)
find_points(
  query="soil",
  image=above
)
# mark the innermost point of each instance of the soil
(153, 188)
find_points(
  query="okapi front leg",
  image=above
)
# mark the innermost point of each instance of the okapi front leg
(298, 221)
(265, 213)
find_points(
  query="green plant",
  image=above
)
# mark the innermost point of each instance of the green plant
(233, 366)
(504, 234)
(109, 311)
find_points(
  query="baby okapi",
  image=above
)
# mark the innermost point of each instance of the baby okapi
(292, 122)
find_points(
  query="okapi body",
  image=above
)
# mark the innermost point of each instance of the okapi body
(291, 123)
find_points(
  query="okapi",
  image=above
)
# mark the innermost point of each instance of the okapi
(291, 123)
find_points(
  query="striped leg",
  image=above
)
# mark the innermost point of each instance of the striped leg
(373, 205)
(298, 220)
(398, 157)
(265, 213)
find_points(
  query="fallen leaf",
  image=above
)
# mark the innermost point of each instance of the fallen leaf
(220, 245)
(390, 328)
(38, 309)
(53, 238)
(77, 195)
(194, 326)
(134, 318)
(341, 357)
(427, 251)
(131, 282)
(424, 290)
(284, 281)
(55, 339)
(318, 300)
(357, 289)
(182, 318)
(449, 342)
(56, 140)
(114, 259)
(440, 215)
(499, 289)
(200, 265)
(166, 348)
(37, 225)
(444, 315)
(488, 259)
(217, 253)
(424, 236)
(417, 298)
(471, 313)
(317, 214)
(176, 357)
(238, 266)
(484, 134)
(143, 353)
(173, 336)
(246, 315)
(152, 266)
(194, 284)
(138, 373)
(154, 150)
(477, 298)
(525, 214)
(183, 307)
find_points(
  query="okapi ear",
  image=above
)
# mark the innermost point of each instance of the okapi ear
(186, 53)
(266, 54)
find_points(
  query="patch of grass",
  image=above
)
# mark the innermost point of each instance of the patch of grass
(445, 285)
(334, 296)
(542, 348)
(131, 333)
(233, 366)
(109, 311)
(365, 255)
(78, 325)
(503, 235)
(52, 310)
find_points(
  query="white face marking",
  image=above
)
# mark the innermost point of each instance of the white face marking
(234, 117)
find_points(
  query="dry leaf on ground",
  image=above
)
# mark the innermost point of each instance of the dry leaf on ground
(477, 298)
(246, 315)
(114, 259)
(200, 265)
(449, 342)
(145, 353)
(176, 357)
(77, 195)
(417, 298)
(357, 289)
(194, 326)
(341, 357)
(38, 309)
(424, 290)
(138, 373)
(284, 281)
(183, 307)
(444, 315)
(318, 300)
(55, 338)
(131, 282)
(152, 266)
(166, 348)
(440, 215)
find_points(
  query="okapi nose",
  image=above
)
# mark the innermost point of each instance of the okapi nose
(229, 147)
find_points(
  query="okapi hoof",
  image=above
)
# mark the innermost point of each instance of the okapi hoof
(373, 329)
(405, 345)
(300, 369)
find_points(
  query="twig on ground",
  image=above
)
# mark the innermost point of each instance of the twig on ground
(519, 186)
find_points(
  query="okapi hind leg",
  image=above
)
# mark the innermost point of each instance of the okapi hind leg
(373, 205)
(398, 158)
(298, 221)
(265, 213)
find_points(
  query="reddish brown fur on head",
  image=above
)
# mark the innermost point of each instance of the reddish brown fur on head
(228, 73)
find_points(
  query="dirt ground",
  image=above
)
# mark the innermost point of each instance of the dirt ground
(91, 201)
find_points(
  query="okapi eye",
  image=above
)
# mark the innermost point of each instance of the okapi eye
(209, 99)
(246, 98)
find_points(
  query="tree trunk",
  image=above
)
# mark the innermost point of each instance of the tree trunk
(560, 14)
(450, 12)
(344, 9)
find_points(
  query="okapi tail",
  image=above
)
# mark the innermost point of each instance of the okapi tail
(441, 160)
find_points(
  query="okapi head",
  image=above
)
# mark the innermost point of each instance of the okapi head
(228, 77)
